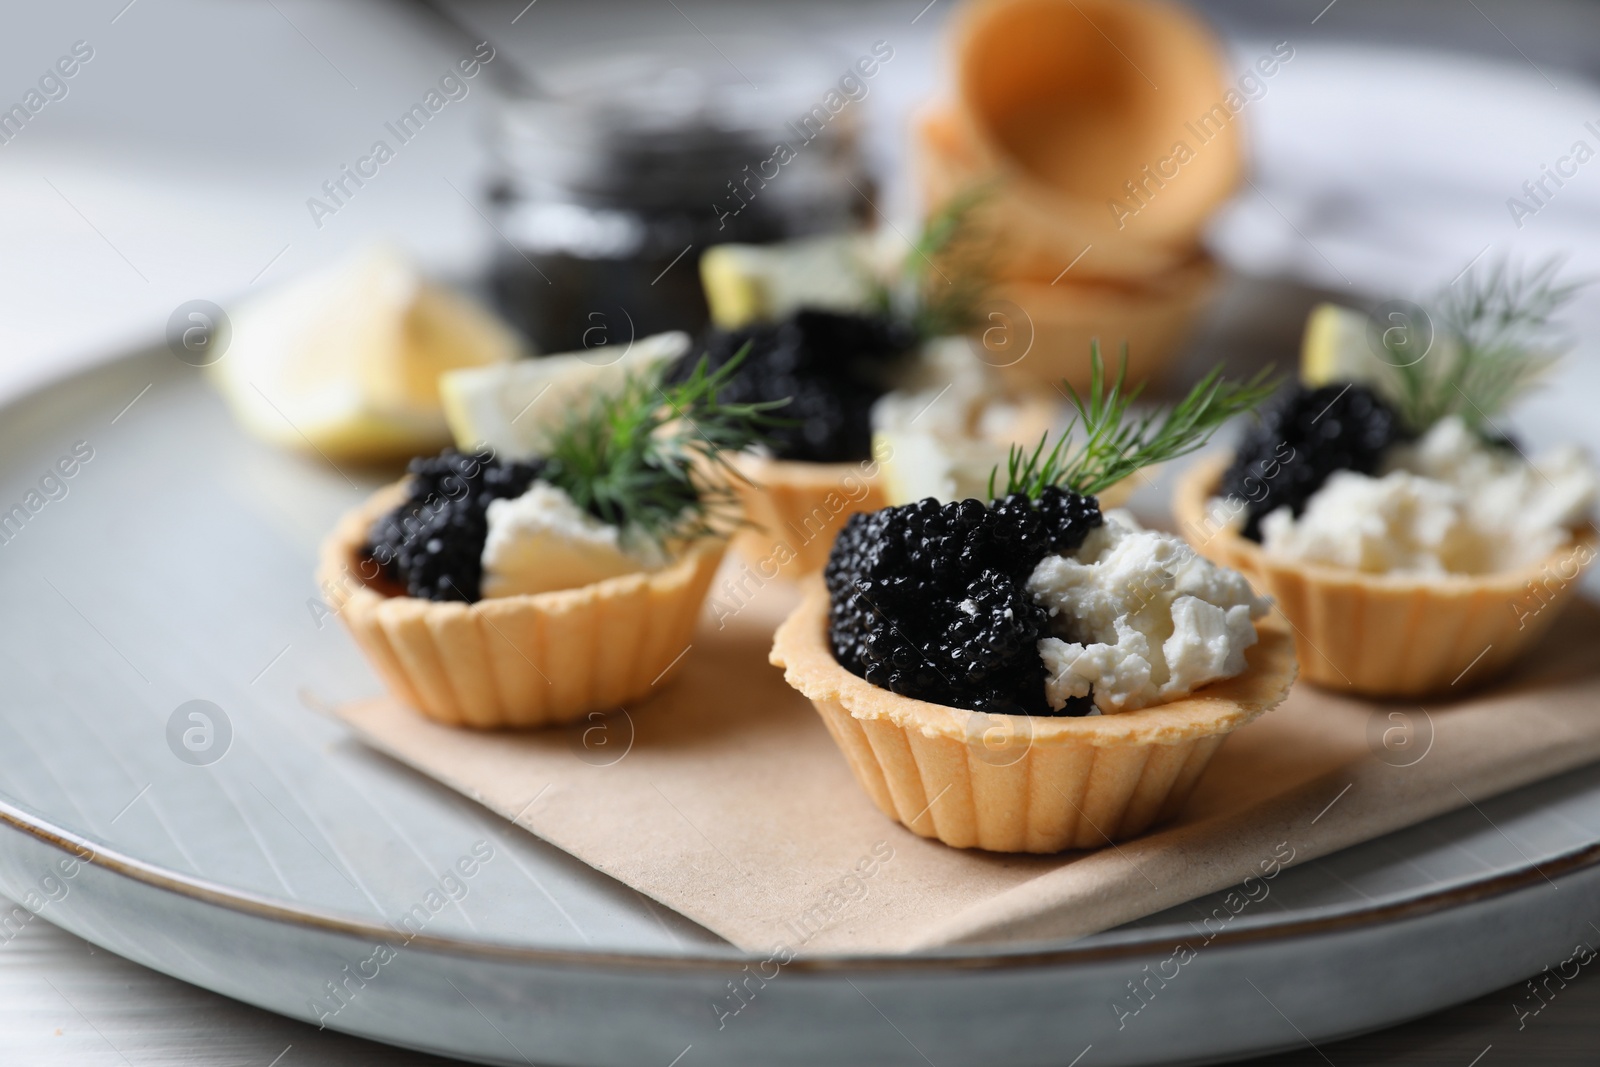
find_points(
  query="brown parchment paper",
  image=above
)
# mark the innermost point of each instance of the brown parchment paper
(724, 798)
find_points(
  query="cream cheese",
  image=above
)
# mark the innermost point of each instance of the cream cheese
(542, 541)
(1448, 504)
(1140, 618)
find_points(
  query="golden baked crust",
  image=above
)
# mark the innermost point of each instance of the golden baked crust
(796, 509)
(1390, 634)
(1049, 183)
(1019, 783)
(517, 661)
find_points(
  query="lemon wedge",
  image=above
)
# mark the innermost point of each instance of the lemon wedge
(346, 360)
(746, 284)
(1336, 348)
(511, 407)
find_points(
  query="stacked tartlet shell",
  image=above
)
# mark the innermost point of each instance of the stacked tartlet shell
(1056, 108)
(1390, 635)
(1060, 321)
(517, 661)
(1018, 783)
(1062, 102)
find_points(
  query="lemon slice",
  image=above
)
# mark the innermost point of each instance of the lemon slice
(746, 284)
(1336, 347)
(346, 360)
(511, 407)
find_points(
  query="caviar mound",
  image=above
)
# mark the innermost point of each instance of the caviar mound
(930, 600)
(431, 545)
(831, 367)
(1301, 439)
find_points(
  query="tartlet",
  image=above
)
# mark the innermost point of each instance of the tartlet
(1391, 635)
(1048, 108)
(829, 461)
(491, 591)
(1069, 146)
(816, 466)
(516, 661)
(1031, 674)
(1411, 543)
(1019, 783)
(794, 509)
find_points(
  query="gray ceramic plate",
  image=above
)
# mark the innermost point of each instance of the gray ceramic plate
(268, 857)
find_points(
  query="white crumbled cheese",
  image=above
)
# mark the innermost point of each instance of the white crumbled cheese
(944, 425)
(1140, 618)
(1448, 504)
(1399, 522)
(947, 391)
(1525, 510)
(542, 541)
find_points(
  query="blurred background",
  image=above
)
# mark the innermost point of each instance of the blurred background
(180, 161)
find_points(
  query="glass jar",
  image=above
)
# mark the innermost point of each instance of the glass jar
(608, 188)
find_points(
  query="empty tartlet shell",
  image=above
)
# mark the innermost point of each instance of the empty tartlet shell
(1032, 240)
(1054, 120)
(1019, 783)
(1391, 635)
(517, 661)
(1053, 103)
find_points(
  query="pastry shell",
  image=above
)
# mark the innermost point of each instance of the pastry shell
(1386, 635)
(1034, 239)
(1152, 319)
(1050, 118)
(794, 510)
(1019, 783)
(517, 661)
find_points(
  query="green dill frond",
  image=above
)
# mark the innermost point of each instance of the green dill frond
(1114, 444)
(946, 275)
(1495, 338)
(649, 458)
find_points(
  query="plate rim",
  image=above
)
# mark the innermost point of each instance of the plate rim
(204, 891)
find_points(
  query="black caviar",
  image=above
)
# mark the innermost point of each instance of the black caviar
(930, 600)
(1302, 437)
(831, 366)
(432, 544)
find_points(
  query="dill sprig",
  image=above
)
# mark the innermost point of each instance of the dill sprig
(946, 276)
(1115, 445)
(1498, 339)
(950, 269)
(649, 457)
